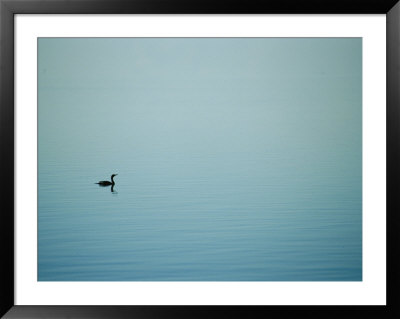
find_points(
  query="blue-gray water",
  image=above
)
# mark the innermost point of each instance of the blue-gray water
(237, 160)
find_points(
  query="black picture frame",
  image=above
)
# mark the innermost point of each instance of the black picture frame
(9, 8)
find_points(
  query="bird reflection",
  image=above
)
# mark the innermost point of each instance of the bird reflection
(112, 190)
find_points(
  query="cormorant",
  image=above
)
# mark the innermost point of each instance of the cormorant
(107, 183)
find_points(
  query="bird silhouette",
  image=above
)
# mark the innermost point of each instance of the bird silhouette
(107, 183)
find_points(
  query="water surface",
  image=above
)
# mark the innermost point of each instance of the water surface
(237, 160)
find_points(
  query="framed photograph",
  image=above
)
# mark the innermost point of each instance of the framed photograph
(164, 159)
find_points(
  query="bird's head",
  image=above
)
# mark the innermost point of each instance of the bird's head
(113, 175)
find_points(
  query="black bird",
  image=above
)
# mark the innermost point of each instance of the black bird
(107, 183)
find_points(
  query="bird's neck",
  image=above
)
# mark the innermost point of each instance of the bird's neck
(112, 179)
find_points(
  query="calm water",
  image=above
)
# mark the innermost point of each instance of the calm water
(216, 182)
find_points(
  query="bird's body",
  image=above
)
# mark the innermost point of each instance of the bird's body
(107, 183)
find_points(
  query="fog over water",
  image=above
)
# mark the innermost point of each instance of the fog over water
(237, 159)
